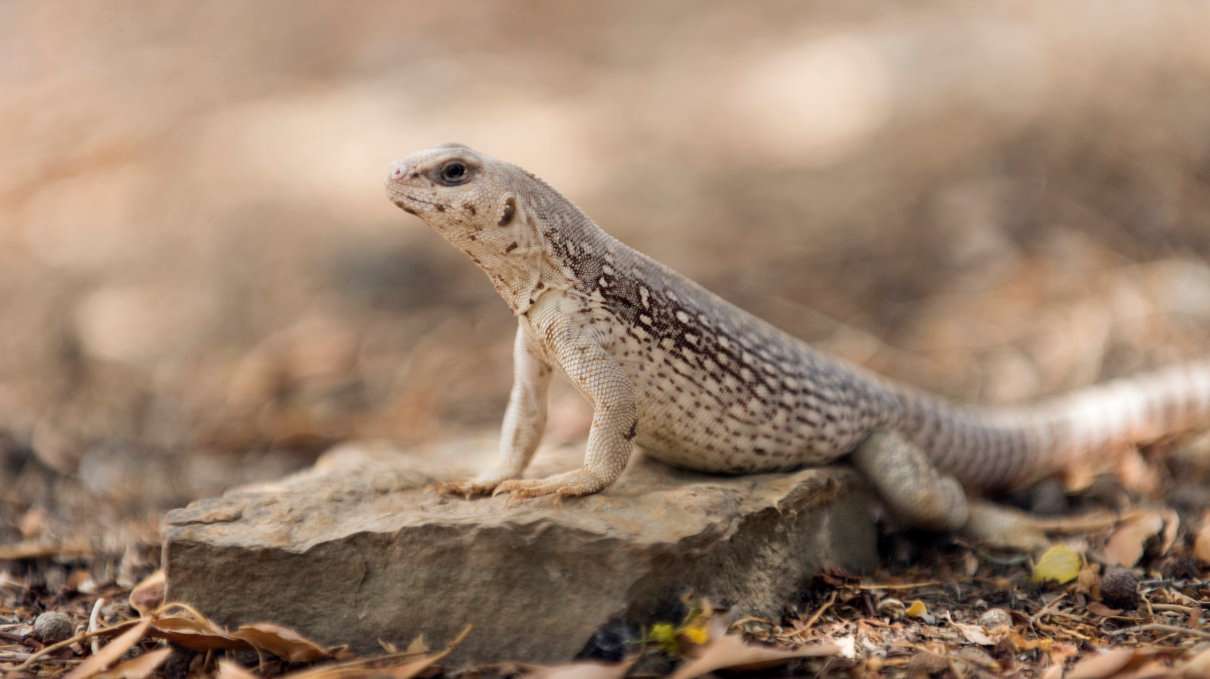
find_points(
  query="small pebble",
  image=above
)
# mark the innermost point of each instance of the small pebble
(1119, 588)
(995, 617)
(52, 627)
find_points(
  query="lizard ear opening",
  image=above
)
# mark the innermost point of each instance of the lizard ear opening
(508, 212)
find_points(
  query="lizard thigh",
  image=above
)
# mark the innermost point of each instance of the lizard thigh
(908, 483)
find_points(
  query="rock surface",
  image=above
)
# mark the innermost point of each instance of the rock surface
(356, 550)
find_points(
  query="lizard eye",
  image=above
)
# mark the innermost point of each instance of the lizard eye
(454, 173)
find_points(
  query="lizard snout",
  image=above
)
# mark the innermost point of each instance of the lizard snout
(399, 170)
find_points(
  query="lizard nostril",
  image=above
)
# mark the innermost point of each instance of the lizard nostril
(397, 172)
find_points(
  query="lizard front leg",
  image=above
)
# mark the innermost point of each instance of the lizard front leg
(614, 419)
(524, 421)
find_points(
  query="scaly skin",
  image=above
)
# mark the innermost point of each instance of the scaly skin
(702, 384)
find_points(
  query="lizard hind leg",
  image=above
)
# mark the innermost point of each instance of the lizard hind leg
(908, 483)
(919, 495)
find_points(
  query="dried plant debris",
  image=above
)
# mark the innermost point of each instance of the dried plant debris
(946, 608)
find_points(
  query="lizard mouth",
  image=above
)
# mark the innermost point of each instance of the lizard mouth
(406, 202)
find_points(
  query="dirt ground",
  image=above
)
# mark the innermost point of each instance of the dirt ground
(204, 286)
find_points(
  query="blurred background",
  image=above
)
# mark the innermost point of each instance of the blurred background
(202, 283)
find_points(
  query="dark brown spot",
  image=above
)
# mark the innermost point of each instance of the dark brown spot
(404, 206)
(511, 246)
(469, 208)
(439, 206)
(633, 431)
(510, 209)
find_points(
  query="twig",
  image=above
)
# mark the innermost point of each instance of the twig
(903, 585)
(816, 615)
(1160, 627)
(113, 629)
(1033, 619)
(94, 620)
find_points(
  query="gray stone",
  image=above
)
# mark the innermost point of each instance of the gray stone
(357, 549)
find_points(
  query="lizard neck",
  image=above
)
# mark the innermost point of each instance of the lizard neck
(522, 279)
(559, 249)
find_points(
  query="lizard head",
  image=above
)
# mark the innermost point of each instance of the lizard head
(476, 203)
(462, 194)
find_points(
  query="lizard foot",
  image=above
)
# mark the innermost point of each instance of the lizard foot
(466, 489)
(1003, 527)
(569, 484)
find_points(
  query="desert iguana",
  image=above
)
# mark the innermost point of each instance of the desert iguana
(702, 384)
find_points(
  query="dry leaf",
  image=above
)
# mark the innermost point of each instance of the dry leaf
(1102, 664)
(1060, 564)
(1125, 546)
(283, 643)
(1098, 608)
(916, 610)
(1201, 544)
(148, 595)
(1020, 643)
(974, 634)
(1150, 669)
(109, 653)
(229, 669)
(1052, 672)
(191, 630)
(140, 667)
(194, 634)
(1198, 665)
(398, 668)
(730, 651)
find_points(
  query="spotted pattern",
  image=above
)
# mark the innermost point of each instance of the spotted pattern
(720, 390)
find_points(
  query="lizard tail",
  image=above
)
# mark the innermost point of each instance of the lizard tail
(1011, 447)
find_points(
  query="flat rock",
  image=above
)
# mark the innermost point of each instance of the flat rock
(357, 550)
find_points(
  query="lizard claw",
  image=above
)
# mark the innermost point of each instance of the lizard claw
(467, 489)
(570, 484)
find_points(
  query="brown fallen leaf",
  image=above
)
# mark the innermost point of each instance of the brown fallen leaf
(148, 595)
(283, 643)
(405, 666)
(195, 634)
(371, 669)
(1098, 608)
(730, 651)
(974, 634)
(186, 627)
(1197, 667)
(1125, 546)
(110, 652)
(1113, 663)
(229, 669)
(138, 668)
(1053, 672)
(1201, 544)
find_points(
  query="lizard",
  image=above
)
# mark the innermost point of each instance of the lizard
(701, 384)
